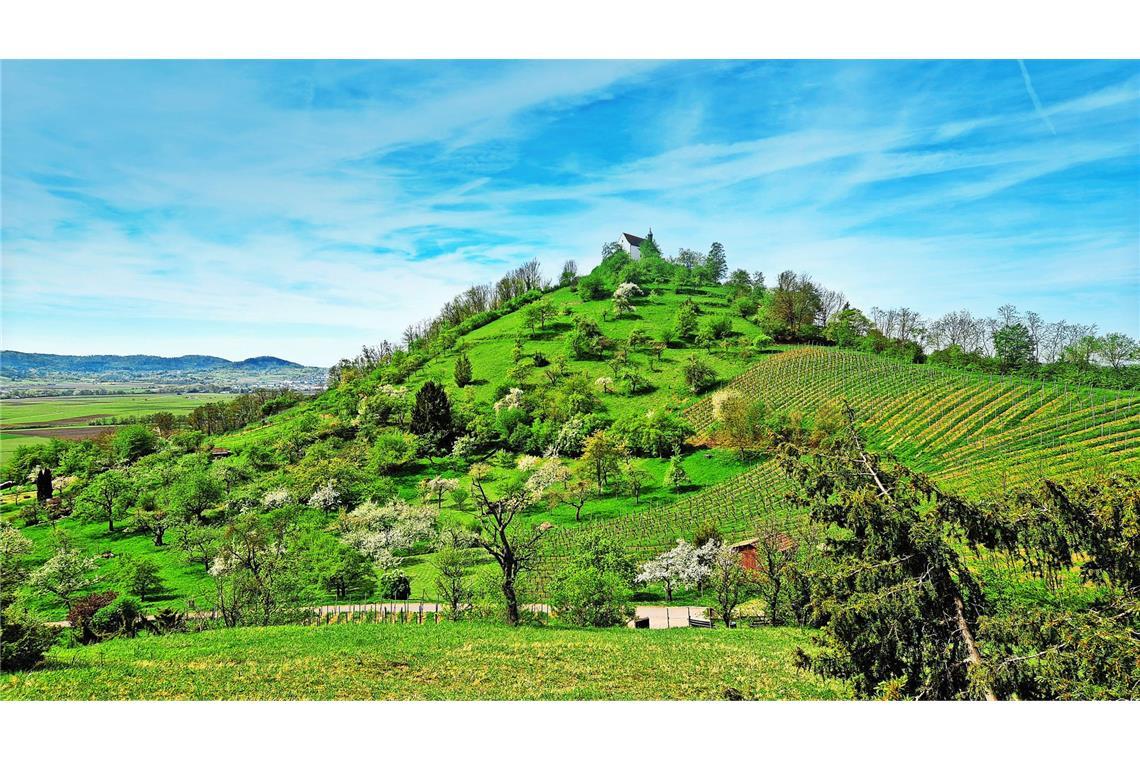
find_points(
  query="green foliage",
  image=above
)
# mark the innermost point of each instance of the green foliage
(592, 288)
(585, 340)
(676, 477)
(847, 328)
(24, 639)
(657, 433)
(432, 418)
(122, 616)
(393, 452)
(699, 376)
(1013, 346)
(395, 585)
(134, 442)
(345, 572)
(140, 576)
(463, 373)
(593, 588)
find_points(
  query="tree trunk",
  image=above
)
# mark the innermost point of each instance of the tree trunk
(158, 536)
(971, 644)
(512, 601)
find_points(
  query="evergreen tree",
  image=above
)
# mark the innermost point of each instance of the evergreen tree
(463, 375)
(431, 417)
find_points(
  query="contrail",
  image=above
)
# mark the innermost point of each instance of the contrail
(1033, 96)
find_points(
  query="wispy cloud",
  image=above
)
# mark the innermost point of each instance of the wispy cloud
(303, 208)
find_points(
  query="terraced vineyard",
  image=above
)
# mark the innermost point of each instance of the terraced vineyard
(974, 432)
(735, 506)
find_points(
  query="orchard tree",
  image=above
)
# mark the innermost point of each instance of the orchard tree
(451, 580)
(728, 580)
(698, 375)
(107, 497)
(681, 567)
(64, 574)
(514, 547)
(602, 456)
(676, 477)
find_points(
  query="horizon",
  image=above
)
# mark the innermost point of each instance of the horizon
(356, 197)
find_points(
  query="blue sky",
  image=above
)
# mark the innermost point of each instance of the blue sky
(304, 208)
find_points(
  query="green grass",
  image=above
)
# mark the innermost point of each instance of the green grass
(454, 661)
(489, 348)
(49, 411)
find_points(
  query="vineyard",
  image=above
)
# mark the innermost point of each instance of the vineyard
(974, 432)
(734, 506)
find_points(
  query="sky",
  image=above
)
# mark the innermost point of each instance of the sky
(304, 208)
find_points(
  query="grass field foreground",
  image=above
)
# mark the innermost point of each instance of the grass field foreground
(465, 661)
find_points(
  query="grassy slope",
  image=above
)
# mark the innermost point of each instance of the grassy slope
(434, 661)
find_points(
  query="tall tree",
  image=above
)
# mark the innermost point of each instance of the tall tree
(432, 417)
(716, 264)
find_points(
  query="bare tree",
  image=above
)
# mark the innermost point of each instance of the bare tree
(831, 302)
(515, 548)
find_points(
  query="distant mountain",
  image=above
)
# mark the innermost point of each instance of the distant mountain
(16, 364)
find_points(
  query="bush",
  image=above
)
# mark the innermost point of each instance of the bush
(591, 597)
(84, 609)
(395, 585)
(122, 617)
(140, 577)
(719, 327)
(23, 639)
(591, 288)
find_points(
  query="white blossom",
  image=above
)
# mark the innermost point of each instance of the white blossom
(513, 400)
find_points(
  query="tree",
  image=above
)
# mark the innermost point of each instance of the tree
(685, 321)
(198, 542)
(900, 606)
(740, 421)
(107, 497)
(513, 547)
(795, 303)
(676, 477)
(451, 580)
(623, 297)
(689, 259)
(140, 576)
(634, 478)
(15, 548)
(569, 273)
(1118, 348)
(716, 264)
(1013, 346)
(133, 442)
(728, 580)
(847, 328)
(602, 455)
(679, 568)
(463, 375)
(740, 283)
(432, 418)
(698, 375)
(775, 554)
(1081, 350)
(194, 493)
(585, 340)
(66, 573)
(345, 572)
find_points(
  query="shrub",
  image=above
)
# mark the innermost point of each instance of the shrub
(463, 373)
(23, 639)
(591, 288)
(719, 327)
(122, 617)
(591, 597)
(395, 585)
(83, 610)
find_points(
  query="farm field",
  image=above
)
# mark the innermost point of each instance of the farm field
(465, 661)
(31, 420)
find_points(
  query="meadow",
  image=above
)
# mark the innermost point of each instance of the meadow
(30, 421)
(433, 661)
